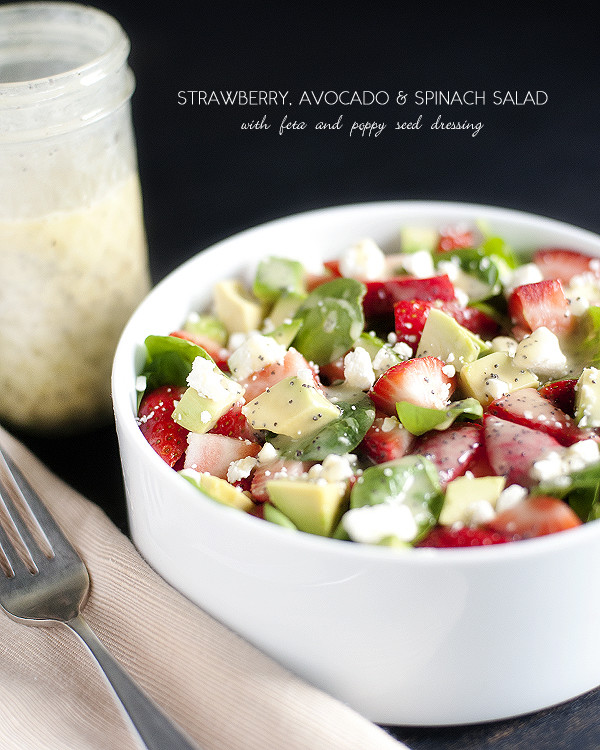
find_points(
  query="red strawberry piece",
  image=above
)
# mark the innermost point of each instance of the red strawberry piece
(266, 472)
(259, 381)
(218, 353)
(561, 394)
(541, 304)
(535, 516)
(561, 264)
(453, 450)
(448, 537)
(168, 438)
(213, 453)
(234, 424)
(512, 449)
(528, 407)
(333, 371)
(381, 295)
(382, 443)
(409, 319)
(333, 266)
(453, 238)
(419, 381)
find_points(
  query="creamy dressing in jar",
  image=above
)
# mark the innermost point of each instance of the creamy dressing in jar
(73, 256)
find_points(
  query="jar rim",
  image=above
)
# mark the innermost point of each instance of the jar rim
(33, 32)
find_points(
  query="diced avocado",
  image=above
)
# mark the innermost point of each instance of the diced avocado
(493, 376)
(271, 514)
(587, 398)
(314, 508)
(207, 325)
(200, 414)
(274, 276)
(286, 332)
(218, 489)
(286, 307)
(292, 407)
(237, 308)
(413, 239)
(446, 339)
(462, 492)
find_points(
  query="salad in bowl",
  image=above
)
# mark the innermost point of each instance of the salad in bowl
(444, 395)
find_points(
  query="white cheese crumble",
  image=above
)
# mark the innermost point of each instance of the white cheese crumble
(210, 382)
(240, 469)
(358, 370)
(541, 353)
(364, 260)
(449, 370)
(372, 523)
(555, 465)
(419, 264)
(496, 388)
(334, 468)
(267, 454)
(451, 268)
(257, 351)
(510, 496)
(480, 512)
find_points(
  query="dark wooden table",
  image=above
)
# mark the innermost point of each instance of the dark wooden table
(203, 177)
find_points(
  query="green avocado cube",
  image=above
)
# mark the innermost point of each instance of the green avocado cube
(446, 339)
(275, 276)
(587, 398)
(314, 508)
(462, 492)
(493, 376)
(238, 310)
(414, 238)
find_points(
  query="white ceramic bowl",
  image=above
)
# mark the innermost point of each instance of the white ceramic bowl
(428, 637)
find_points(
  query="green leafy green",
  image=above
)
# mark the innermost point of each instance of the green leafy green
(340, 436)
(420, 419)
(483, 267)
(275, 276)
(169, 360)
(411, 480)
(580, 489)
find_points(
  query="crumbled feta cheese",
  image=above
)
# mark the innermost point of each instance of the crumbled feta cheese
(578, 304)
(372, 523)
(389, 423)
(334, 468)
(480, 512)
(358, 370)
(210, 382)
(419, 264)
(267, 454)
(140, 383)
(256, 352)
(496, 388)
(392, 337)
(528, 273)
(383, 360)
(587, 450)
(364, 260)
(402, 350)
(510, 496)
(451, 268)
(556, 464)
(205, 416)
(240, 469)
(461, 297)
(236, 339)
(505, 344)
(541, 353)
(449, 370)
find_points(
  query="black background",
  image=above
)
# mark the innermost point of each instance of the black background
(204, 178)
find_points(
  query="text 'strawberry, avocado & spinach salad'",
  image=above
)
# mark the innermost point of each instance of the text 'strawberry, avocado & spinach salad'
(444, 396)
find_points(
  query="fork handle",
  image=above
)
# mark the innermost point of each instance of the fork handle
(156, 731)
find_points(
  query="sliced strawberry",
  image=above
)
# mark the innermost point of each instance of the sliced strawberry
(234, 424)
(561, 394)
(528, 407)
(381, 295)
(214, 453)
(333, 371)
(448, 536)
(453, 238)
(561, 264)
(168, 438)
(512, 449)
(541, 304)
(535, 516)
(259, 381)
(218, 353)
(266, 473)
(409, 320)
(453, 450)
(333, 266)
(419, 381)
(386, 440)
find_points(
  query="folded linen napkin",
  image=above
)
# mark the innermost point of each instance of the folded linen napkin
(224, 692)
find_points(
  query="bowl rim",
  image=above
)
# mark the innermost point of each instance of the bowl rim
(126, 420)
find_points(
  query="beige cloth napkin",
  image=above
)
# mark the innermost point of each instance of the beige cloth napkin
(225, 693)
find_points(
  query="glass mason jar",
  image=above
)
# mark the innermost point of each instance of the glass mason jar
(73, 255)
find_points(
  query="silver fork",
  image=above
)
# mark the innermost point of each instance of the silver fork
(43, 581)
